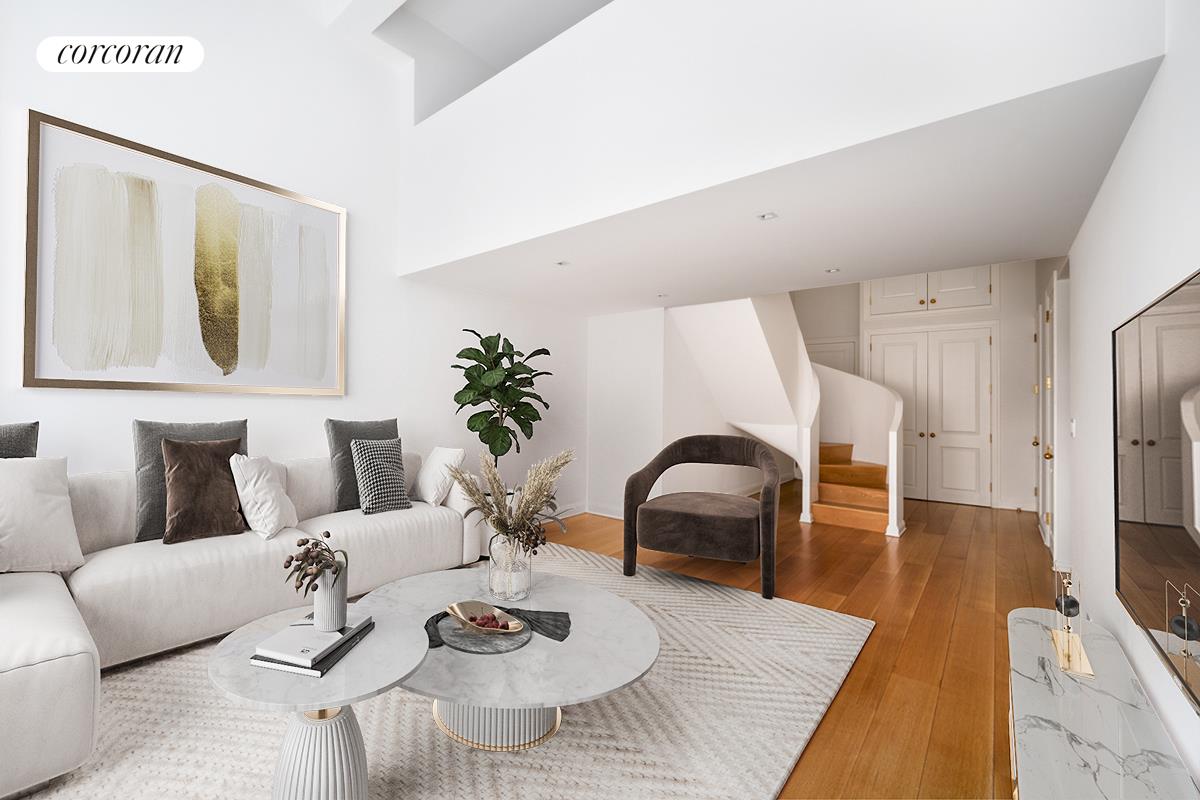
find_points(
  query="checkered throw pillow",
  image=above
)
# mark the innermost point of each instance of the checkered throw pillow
(379, 467)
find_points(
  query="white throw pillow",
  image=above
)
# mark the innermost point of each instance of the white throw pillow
(37, 528)
(434, 481)
(260, 487)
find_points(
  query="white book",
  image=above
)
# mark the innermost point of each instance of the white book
(303, 645)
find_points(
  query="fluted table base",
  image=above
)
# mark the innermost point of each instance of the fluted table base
(496, 729)
(322, 757)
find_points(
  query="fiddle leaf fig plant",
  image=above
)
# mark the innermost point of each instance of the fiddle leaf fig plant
(499, 378)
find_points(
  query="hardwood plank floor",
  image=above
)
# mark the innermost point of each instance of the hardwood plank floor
(924, 711)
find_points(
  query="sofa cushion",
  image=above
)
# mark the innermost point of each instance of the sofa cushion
(310, 483)
(202, 499)
(105, 508)
(19, 440)
(433, 484)
(379, 470)
(37, 529)
(147, 452)
(705, 524)
(260, 487)
(49, 681)
(340, 433)
(146, 597)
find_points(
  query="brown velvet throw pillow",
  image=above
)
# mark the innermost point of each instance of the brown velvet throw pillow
(202, 499)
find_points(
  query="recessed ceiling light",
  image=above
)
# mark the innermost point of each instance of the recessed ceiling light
(660, 296)
(766, 215)
(832, 270)
(561, 263)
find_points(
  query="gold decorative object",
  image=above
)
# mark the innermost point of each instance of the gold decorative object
(476, 608)
(1072, 658)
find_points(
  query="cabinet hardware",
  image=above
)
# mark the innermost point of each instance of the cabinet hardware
(1135, 442)
(921, 435)
(932, 435)
(932, 300)
(921, 302)
(1150, 443)
(1048, 455)
(1036, 443)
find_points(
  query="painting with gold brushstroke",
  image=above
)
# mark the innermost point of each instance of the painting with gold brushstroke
(147, 270)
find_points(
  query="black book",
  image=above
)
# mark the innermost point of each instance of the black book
(318, 669)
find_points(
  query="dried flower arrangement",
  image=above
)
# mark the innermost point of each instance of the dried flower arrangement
(520, 519)
(312, 560)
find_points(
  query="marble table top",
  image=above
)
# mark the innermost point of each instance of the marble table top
(1085, 737)
(612, 643)
(384, 657)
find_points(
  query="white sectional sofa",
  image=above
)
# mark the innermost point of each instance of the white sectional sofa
(133, 599)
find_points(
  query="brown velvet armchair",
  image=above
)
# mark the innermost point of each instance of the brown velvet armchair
(705, 524)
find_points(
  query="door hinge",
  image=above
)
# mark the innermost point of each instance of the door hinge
(989, 288)
(1037, 389)
(989, 487)
(1047, 315)
(989, 340)
(989, 438)
(1049, 383)
(1035, 337)
(989, 388)
(1048, 518)
(871, 346)
(1035, 491)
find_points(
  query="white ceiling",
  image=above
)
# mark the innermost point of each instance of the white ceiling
(1005, 183)
(459, 44)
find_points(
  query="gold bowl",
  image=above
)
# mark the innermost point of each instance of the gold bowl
(466, 609)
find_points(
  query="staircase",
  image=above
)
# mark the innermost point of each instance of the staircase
(853, 494)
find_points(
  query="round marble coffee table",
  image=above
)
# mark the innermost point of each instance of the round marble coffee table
(512, 701)
(322, 755)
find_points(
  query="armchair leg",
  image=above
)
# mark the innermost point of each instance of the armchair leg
(768, 576)
(630, 559)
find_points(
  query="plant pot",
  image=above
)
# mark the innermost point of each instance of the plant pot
(329, 601)
(510, 569)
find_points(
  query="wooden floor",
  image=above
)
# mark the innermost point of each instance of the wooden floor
(924, 711)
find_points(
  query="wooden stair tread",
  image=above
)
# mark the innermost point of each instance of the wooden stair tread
(868, 496)
(849, 515)
(835, 452)
(851, 506)
(856, 473)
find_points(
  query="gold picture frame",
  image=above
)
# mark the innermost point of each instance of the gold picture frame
(284, 205)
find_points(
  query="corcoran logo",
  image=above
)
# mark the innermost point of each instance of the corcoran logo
(120, 54)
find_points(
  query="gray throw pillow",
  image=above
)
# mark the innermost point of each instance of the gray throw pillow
(340, 433)
(19, 440)
(148, 460)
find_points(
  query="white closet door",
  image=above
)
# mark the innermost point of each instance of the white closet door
(892, 295)
(1170, 367)
(960, 459)
(1131, 503)
(960, 288)
(900, 361)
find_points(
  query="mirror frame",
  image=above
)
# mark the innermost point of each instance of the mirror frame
(1191, 694)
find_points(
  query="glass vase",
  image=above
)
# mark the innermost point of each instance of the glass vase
(510, 570)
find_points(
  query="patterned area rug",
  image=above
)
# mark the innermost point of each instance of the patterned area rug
(737, 691)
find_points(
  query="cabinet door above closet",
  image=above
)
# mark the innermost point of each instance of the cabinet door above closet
(892, 295)
(960, 288)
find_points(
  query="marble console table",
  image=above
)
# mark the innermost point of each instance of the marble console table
(1084, 737)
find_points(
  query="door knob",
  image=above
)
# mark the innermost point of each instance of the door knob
(932, 435)
(1135, 442)
(1036, 443)
(921, 434)
(921, 302)
(1150, 443)
(1048, 455)
(933, 300)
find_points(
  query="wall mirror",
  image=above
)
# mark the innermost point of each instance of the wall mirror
(1156, 379)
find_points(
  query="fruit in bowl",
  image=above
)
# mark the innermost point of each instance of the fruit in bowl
(480, 617)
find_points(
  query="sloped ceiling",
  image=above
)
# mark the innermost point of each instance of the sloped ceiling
(1008, 182)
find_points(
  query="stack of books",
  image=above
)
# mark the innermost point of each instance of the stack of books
(304, 650)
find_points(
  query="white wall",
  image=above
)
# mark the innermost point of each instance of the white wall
(1139, 239)
(282, 100)
(662, 68)
(827, 312)
(624, 403)
(1016, 405)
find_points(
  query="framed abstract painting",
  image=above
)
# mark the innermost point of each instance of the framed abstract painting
(147, 270)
